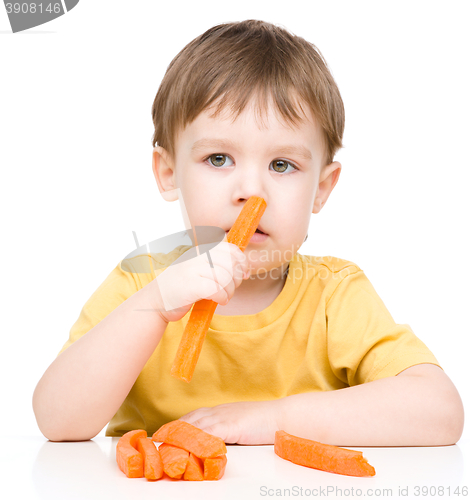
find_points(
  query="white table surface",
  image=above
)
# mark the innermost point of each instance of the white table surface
(32, 467)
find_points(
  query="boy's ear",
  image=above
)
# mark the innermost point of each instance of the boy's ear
(328, 178)
(163, 169)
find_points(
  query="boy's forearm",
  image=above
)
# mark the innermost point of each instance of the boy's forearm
(405, 410)
(84, 387)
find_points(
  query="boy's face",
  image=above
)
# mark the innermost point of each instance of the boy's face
(219, 163)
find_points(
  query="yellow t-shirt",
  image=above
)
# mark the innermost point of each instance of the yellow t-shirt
(327, 329)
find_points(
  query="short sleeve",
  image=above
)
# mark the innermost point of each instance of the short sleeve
(115, 289)
(363, 341)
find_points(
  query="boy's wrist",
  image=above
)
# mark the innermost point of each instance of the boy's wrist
(281, 413)
(299, 414)
(151, 300)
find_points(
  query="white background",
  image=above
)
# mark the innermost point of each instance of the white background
(76, 180)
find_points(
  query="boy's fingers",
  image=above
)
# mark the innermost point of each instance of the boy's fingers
(238, 275)
(225, 254)
(236, 258)
(241, 259)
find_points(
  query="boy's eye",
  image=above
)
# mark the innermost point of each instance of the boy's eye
(221, 160)
(281, 165)
(218, 160)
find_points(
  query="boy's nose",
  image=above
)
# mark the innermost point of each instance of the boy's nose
(242, 198)
(250, 182)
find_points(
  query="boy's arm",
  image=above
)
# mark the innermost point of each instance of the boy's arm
(85, 385)
(418, 407)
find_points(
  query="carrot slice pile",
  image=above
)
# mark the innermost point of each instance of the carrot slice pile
(128, 458)
(186, 452)
(321, 456)
(153, 465)
(174, 460)
(180, 433)
(201, 315)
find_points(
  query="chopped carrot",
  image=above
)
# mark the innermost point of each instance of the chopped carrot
(214, 468)
(153, 465)
(195, 469)
(128, 458)
(201, 315)
(174, 460)
(188, 437)
(321, 456)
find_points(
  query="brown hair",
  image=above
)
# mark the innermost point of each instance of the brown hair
(230, 63)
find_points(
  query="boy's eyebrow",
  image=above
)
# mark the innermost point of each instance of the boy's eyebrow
(298, 150)
(213, 143)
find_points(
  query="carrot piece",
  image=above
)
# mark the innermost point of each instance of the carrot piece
(201, 315)
(321, 456)
(153, 465)
(214, 468)
(247, 222)
(188, 437)
(174, 460)
(192, 339)
(195, 469)
(128, 458)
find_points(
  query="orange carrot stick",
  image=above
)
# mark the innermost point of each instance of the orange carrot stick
(201, 315)
(153, 464)
(321, 456)
(214, 468)
(129, 460)
(195, 469)
(193, 337)
(174, 460)
(188, 437)
(247, 222)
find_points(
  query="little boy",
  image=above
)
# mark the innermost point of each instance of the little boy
(298, 343)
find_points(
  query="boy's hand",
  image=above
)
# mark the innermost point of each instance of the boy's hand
(215, 278)
(247, 422)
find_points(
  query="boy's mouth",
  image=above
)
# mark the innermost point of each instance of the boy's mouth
(258, 230)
